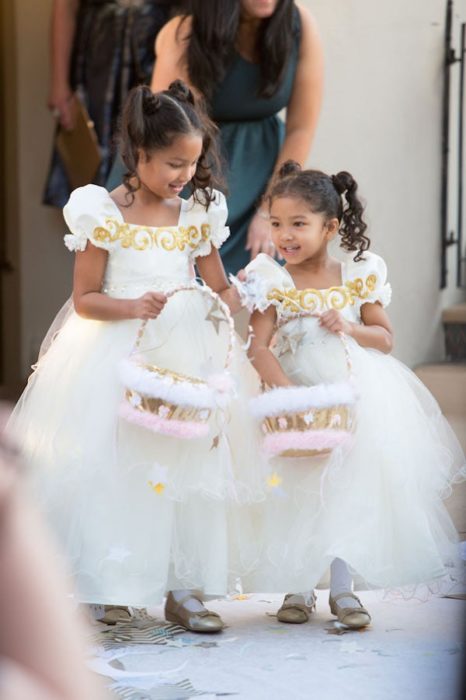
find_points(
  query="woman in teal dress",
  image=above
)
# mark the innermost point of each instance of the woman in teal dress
(250, 59)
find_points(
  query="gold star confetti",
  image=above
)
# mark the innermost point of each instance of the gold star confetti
(274, 480)
(158, 487)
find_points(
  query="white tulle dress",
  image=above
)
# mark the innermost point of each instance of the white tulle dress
(141, 513)
(378, 503)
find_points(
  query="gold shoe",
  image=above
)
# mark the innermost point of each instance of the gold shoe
(114, 614)
(355, 618)
(295, 613)
(204, 621)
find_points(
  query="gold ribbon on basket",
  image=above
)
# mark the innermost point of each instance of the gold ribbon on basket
(173, 403)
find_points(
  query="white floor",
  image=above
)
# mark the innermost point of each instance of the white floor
(412, 651)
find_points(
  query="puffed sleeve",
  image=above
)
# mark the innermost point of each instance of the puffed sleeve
(264, 280)
(367, 281)
(216, 217)
(89, 214)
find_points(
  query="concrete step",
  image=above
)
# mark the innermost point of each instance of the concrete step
(447, 382)
(455, 313)
(454, 325)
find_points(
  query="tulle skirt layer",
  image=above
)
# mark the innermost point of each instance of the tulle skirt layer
(377, 503)
(139, 513)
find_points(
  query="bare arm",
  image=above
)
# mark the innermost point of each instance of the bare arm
(306, 99)
(374, 332)
(301, 120)
(89, 301)
(262, 358)
(213, 273)
(63, 27)
(170, 54)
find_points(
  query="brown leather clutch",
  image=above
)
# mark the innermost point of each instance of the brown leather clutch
(79, 148)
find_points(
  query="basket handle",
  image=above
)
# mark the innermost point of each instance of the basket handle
(207, 292)
(341, 335)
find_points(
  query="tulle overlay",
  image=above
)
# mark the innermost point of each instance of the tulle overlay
(140, 513)
(376, 503)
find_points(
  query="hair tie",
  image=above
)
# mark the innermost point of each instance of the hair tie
(181, 92)
(151, 104)
(340, 188)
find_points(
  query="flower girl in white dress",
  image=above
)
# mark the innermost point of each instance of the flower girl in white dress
(373, 506)
(139, 512)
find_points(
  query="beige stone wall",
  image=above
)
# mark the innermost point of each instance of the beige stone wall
(46, 266)
(381, 120)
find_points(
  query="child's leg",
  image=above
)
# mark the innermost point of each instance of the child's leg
(343, 603)
(341, 581)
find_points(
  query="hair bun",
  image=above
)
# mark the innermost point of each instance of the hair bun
(150, 102)
(289, 167)
(181, 92)
(343, 182)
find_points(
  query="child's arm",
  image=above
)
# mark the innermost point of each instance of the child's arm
(265, 362)
(89, 302)
(375, 331)
(213, 273)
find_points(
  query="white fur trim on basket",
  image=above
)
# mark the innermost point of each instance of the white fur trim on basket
(292, 399)
(215, 393)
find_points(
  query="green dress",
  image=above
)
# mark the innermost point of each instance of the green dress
(251, 137)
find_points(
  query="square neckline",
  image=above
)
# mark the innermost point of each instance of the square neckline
(315, 289)
(183, 205)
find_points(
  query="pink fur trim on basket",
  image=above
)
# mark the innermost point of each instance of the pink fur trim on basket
(276, 443)
(175, 428)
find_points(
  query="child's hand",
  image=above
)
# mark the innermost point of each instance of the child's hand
(334, 322)
(149, 305)
(232, 299)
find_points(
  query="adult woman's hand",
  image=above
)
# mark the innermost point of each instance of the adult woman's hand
(61, 104)
(259, 239)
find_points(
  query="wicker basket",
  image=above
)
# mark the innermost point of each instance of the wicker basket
(307, 421)
(170, 402)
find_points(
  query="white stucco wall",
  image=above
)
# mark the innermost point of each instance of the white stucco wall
(380, 120)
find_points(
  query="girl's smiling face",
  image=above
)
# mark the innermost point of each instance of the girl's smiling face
(297, 232)
(166, 171)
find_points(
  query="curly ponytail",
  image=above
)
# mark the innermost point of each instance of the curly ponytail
(352, 226)
(333, 196)
(151, 121)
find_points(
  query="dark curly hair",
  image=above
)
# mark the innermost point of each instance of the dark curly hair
(151, 121)
(335, 196)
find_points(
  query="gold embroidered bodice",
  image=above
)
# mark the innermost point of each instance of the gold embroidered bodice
(294, 301)
(144, 257)
(146, 237)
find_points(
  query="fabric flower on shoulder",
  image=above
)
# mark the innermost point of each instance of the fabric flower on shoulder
(261, 276)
